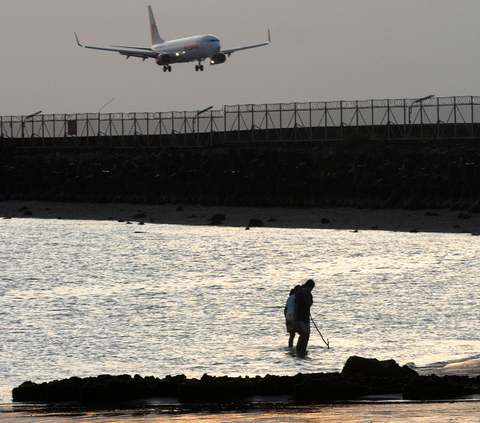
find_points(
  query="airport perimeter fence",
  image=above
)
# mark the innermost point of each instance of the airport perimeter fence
(428, 118)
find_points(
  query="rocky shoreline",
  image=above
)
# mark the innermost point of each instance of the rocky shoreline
(360, 378)
(317, 185)
(353, 219)
(366, 176)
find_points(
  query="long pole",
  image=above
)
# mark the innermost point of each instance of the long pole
(327, 343)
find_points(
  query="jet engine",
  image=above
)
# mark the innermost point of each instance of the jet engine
(163, 59)
(217, 59)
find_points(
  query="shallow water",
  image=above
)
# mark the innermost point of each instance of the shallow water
(82, 298)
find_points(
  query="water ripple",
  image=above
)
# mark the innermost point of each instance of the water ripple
(84, 298)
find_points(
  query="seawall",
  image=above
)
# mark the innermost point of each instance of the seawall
(359, 175)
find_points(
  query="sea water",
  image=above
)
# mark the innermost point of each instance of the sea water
(83, 298)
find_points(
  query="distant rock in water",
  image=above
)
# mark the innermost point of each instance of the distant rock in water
(255, 223)
(217, 219)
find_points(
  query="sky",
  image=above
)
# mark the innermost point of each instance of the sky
(321, 50)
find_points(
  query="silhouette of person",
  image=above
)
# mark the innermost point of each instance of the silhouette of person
(289, 311)
(301, 314)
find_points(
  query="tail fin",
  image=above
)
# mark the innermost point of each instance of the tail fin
(156, 39)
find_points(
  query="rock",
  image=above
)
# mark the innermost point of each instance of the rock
(438, 388)
(217, 219)
(29, 391)
(374, 367)
(255, 223)
(328, 387)
(389, 176)
(359, 377)
(215, 389)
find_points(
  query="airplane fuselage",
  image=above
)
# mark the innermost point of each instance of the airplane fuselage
(189, 49)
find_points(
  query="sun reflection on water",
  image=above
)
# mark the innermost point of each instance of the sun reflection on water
(86, 298)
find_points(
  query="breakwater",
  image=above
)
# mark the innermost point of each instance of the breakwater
(356, 174)
(360, 377)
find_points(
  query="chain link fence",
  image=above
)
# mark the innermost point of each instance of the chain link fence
(428, 118)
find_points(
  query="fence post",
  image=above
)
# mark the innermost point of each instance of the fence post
(225, 125)
(455, 116)
(388, 120)
(341, 120)
(357, 111)
(281, 126)
(438, 119)
(373, 120)
(238, 123)
(266, 122)
(253, 124)
(185, 124)
(295, 121)
(472, 117)
(160, 129)
(123, 130)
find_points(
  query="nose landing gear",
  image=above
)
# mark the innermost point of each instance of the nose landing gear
(199, 67)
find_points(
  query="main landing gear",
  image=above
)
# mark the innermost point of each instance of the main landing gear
(199, 68)
(167, 68)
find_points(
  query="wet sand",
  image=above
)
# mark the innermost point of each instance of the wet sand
(444, 221)
(438, 412)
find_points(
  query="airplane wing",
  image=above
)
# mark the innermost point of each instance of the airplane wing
(233, 50)
(141, 52)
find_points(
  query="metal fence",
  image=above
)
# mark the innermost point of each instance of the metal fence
(442, 118)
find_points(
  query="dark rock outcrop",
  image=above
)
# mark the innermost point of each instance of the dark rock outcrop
(255, 223)
(217, 219)
(360, 377)
(439, 388)
(359, 366)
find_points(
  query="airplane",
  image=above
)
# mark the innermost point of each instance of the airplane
(191, 49)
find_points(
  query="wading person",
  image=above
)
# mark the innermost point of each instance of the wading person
(289, 311)
(301, 314)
